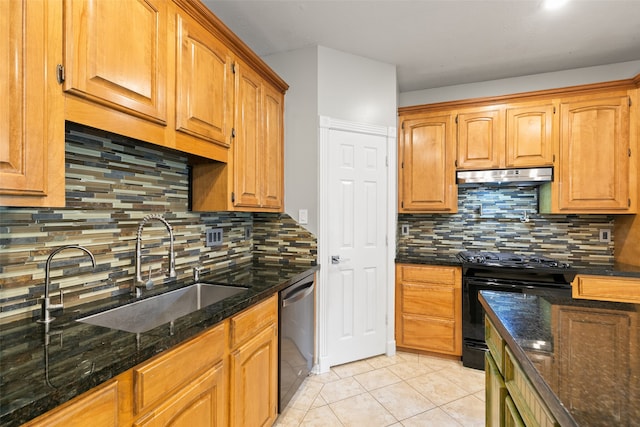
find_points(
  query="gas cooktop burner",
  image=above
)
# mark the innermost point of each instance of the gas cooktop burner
(505, 259)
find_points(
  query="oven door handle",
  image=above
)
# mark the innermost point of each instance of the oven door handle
(298, 293)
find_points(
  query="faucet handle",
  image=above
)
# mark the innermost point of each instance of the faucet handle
(58, 306)
(196, 273)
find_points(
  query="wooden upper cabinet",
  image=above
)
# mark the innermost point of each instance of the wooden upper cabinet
(116, 54)
(204, 83)
(426, 155)
(273, 168)
(529, 135)
(481, 138)
(32, 110)
(593, 171)
(248, 137)
(258, 146)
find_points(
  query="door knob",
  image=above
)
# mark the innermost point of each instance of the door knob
(335, 259)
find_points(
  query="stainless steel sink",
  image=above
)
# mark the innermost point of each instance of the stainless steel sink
(150, 313)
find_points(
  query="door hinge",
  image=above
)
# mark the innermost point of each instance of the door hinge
(60, 73)
(554, 109)
(629, 202)
(456, 163)
(629, 152)
(402, 126)
(456, 119)
(233, 67)
(233, 197)
(554, 158)
(233, 132)
(402, 204)
(402, 165)
(629, 98)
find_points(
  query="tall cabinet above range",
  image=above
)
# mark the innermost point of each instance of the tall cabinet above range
(588, 134)
(172, 75)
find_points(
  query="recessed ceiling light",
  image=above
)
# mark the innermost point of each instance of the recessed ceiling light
(554, 4)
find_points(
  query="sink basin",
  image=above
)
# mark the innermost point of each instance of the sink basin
(150, 313)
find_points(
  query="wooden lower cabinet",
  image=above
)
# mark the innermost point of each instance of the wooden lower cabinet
(610, 363)
(104, 406)
(606, 288)
(227, 375)
(428, 308)
(254, 368)
(202, 403)
(510, 399)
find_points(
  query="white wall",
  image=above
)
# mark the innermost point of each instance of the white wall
(578, 76)
(356, 89)
(299, 69)
(326, 82)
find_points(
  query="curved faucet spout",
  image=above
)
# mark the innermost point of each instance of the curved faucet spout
(139, 282)
(46, 301)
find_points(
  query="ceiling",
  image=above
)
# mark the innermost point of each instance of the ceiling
(436, 43)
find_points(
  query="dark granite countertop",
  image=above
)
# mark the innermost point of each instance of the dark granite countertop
(40, 370)
(450, 259)
(581, 356)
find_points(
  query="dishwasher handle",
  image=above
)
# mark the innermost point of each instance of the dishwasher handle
(296, 294)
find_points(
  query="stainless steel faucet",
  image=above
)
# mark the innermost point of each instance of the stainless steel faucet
(46, 301)
(138, 282)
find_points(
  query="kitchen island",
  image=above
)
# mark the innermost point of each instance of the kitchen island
(44, 366)
(561, 361)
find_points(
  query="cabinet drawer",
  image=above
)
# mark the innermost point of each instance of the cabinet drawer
(529, 405)
(495, 343)
(427, 274)
(154, 380)
(435, 301)
(246, 324)
(606, 288)
(430, 334)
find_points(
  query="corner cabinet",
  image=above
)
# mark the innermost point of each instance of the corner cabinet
(428, 308)
(593, 173)
(426, 169)
(253, 181)
(32, 124)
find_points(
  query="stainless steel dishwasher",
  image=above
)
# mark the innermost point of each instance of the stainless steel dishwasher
(297, 337)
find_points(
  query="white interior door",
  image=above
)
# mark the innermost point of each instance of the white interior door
(356, 229)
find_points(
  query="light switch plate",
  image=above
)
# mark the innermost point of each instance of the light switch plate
(213, 237)
(303, 216)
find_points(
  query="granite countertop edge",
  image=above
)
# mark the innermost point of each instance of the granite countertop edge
(551, 400)
(187, 327)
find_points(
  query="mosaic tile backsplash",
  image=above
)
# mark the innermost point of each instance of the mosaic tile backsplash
(112, 182)
(493, 219)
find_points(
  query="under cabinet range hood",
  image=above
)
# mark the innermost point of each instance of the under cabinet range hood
(522, 176)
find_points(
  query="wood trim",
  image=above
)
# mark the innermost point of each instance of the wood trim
(625, 84)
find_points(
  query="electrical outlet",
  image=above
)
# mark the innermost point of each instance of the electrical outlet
(405, 229)
(247, 232)
(605, 235)
(303, 216)
(213, 237)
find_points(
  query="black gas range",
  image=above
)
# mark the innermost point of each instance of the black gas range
(504, 272)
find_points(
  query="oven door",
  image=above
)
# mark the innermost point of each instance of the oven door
(473, 343)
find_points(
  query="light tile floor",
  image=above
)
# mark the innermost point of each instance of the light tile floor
(403, 390)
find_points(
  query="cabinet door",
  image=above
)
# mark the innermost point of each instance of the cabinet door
(273, 158)
(116, 54)
(580, 366)
(426, 180)
(201, 404)
(97, 407)
(32, 110)
(247, 147)
(529, 135)
(204, 83)
(495, 393)
(481, 138)
(593, 172)
(254, 380)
